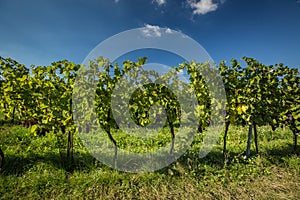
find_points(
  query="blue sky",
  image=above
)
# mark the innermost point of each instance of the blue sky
(42, 31)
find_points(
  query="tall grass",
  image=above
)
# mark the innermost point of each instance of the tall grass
(34, 169)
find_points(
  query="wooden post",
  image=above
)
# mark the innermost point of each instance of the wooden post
(249, 142)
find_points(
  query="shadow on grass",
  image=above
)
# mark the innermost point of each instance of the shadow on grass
(190, 161)
(277, 155)
(19, 164)
(215, 160)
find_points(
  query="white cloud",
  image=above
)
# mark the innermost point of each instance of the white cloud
(169, 30)
(203, 6)
(151, 31)
(160, 2)
(155, 31)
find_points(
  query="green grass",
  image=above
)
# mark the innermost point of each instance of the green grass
(33, 169)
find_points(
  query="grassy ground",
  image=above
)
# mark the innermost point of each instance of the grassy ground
(33, 169)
